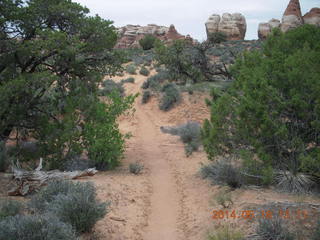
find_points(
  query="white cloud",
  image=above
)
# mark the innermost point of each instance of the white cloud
(189, 16)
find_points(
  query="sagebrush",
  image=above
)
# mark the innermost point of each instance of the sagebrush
(35, 227)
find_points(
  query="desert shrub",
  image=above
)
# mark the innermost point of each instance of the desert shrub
(145, 84)
(73, 203)
(78, 209)
(316, 234)
(9, 208)
(226, 233)
(35, 227)
(78, 48)
(267, 108)
(147, 42)
(46, 195)
(224, 198)
(128, 80)
(154, 82)
(77, 163)
(217, 37)
(144, 71)
(222, 173)
(295, 183)
(131, 69)
(146, 97)
(189, 133)
(273, 228)
(171, 95)
(110, 86)
(135, 168)
(189, 62)
(3, 157)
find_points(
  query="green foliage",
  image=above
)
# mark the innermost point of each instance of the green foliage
(267, 176)
(110, 86)
(189, 134)
(146, 97)
(9, 208)
(128, 80)
(273, 105)
(222, 172)
(217, 37)
(131, 69)
(154, 82)
(148, 42)
(73, 203)
(144, 71)
(224, 198)
(3, 157)
(294, 182)
(316, 234)
(53, 59)
(35, 227)
(226, 233)
(273, 229)
(171, 95)
(103, 139)
(189, 62)
(135, 168)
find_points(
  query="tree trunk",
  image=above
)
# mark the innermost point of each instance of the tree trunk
(30, 181)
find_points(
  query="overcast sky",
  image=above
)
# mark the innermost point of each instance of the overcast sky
(189, 16)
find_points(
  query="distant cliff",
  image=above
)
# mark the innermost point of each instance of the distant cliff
(292, 18)
(130, 35)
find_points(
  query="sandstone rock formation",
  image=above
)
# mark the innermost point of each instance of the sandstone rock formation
(312, 17)
(266, 28)
(233, 25)
(130, 35)
(292, 18)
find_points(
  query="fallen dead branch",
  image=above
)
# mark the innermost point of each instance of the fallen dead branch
(29, 181)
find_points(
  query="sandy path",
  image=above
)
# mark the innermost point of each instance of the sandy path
(164, 200)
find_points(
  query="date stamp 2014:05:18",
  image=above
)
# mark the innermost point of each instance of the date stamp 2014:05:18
(261, 214)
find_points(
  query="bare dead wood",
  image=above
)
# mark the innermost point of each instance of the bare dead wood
(117, 219)
(29, 181)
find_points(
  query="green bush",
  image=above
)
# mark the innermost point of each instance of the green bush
(131, 69)
(224, 198)
(77, 163)
(128, 80)
(3, 157)
(171, 96)
(47, 91)
(135, 168)
(190, 62)
(316, 234)
(222, 173)
(189, 134)
(268, 107)
(144, 71)
(146, 97)
(217, 37)
(9, 208)
(226, 233)
(147, 42)
(273, 229)
(103, 139)
(35, 227)
(73, 203)
(295, 183)
(110, 86)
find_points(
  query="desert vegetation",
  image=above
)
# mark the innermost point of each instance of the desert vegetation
(268, 117)
(175, 129)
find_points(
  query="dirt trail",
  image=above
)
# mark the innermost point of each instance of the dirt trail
(164, 201)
